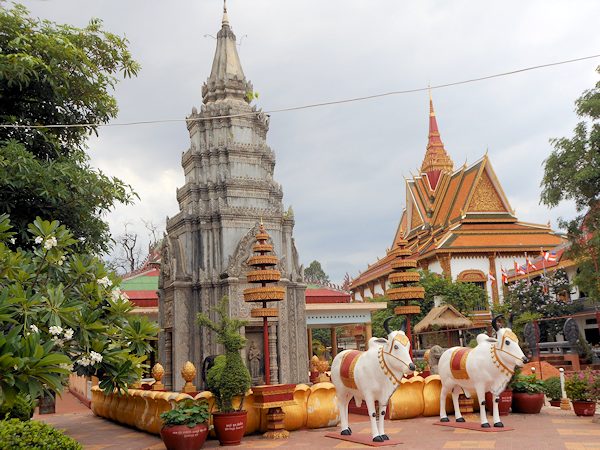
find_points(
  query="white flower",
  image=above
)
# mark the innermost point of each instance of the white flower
(13, 241)
(68, 367)
(55, 330)
(96, 357)
(34, 328)
(118, 295)
(84, 361)
(16, 367)
(39, 239)
(104, 281)
(58, 341)
(68, 334)
(50, 242)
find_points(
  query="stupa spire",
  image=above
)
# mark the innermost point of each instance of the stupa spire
(225, 20)
(436, 159)
(227, 79)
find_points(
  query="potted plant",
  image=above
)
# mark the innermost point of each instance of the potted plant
(528, 394)
(553, 390)
(583, 390)
(185, 427)
(229, 377)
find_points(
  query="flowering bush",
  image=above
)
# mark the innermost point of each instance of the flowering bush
(583, 386)
(61, 311)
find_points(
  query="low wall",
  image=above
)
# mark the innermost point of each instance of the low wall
(81, 387)
(316, 406)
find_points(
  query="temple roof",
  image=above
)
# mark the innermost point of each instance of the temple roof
(227, 79)
(458, 212)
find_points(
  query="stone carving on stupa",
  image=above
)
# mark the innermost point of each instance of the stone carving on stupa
(228, 184)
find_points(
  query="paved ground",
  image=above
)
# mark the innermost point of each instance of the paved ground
(552, 429)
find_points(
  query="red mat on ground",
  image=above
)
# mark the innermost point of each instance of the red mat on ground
(475, 426)
(365, 439)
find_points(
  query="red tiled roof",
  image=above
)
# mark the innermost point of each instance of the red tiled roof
(325, 295)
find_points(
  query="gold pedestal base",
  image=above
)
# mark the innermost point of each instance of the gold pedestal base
(158, 386)
(189, 387)
(564, 404)
(275, 425)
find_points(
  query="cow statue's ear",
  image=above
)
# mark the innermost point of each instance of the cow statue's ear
(491, 340)
(380, 341)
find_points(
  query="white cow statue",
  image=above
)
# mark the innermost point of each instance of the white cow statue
(485, 368)
(373, 376)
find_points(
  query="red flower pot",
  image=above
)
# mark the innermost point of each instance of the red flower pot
(230, 427)
(583, 408)
(555, 403)
(504, 403)
(526, 403)
(182, 437)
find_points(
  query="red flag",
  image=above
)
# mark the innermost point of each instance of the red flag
(530, 265)
(504, 275)
(491, 277)
(518, 269)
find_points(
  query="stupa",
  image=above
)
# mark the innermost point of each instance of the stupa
(229, 183)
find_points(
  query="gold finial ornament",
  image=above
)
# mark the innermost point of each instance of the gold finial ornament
(158, 372)
(188, 372)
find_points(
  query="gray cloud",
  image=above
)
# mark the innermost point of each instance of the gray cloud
(342, 167)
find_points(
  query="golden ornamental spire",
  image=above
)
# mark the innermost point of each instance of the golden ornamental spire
(436, 159)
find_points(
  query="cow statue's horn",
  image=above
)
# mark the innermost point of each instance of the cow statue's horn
(495, 321)
(403, 326)
(386, 324)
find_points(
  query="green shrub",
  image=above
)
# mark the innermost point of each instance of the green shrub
(552, 388)
(233, 379)
(187, 412)
(15, 434)
(528, 384)
(21, 409)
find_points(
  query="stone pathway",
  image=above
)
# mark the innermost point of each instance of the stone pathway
(552, 429)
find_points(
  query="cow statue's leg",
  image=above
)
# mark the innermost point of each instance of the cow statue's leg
(373, 417)
(455, 393)
(443, 396)
(481, 397)
(382, 411)
(343, 399)
(496, 413)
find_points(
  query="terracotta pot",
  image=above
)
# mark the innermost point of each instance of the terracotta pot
(583, 408)
(182, 437)
(526, 403)
(555, 403)
(230, 427)
(504, 403)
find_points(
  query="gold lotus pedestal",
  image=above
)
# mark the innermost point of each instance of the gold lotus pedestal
(273, 398)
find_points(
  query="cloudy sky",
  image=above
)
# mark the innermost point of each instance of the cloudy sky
(342, 167)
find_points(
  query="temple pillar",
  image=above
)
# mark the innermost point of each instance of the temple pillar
(309, 333)
(368, 334)
(445, 264)
(334, 346)
(494, 287)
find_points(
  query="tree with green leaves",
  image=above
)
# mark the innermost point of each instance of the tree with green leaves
(465, 297)
(60, 312)
(52, 75)
(572, 172)
(314, 273)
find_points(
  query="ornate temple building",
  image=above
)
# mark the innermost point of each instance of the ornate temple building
(229, 188)
(458, 222)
